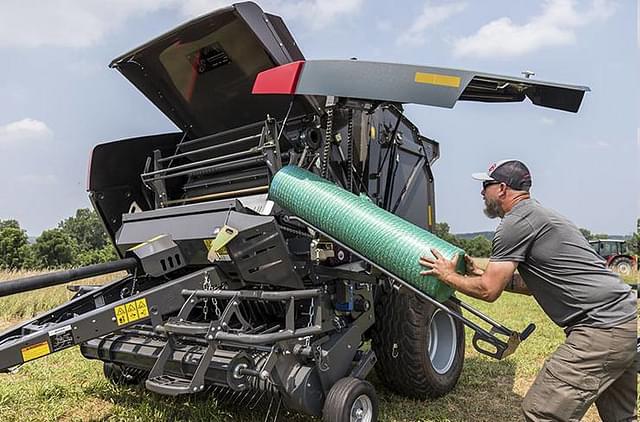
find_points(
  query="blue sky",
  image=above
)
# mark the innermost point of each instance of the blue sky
(59, 98)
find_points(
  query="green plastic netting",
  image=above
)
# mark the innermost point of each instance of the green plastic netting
(382, 237)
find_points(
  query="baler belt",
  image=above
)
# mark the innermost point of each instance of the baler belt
(382, 237)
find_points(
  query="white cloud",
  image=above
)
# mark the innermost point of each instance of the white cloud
(431, 15)
(68, 23)
(555, 26)
(25, 130)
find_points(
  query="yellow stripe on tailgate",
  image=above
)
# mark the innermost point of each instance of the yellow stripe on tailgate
(437, 79)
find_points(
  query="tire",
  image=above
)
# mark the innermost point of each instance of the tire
(420, 348)
(622, 265)
(121, 375)
(351, 400)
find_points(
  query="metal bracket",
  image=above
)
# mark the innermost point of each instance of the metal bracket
(225, 235)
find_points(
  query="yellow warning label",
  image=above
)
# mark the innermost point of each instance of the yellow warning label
(35, 351)
(131, 311)
(437, 79)
(121, 315)
(141, 306)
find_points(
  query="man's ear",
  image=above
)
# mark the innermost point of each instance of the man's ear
(503, 190)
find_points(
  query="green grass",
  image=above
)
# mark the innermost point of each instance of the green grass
(67, 387)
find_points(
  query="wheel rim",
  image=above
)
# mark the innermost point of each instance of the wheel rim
(624, 268)
(442, 342)
(362, 409)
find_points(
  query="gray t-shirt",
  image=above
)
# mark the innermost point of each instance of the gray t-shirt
(566, 276)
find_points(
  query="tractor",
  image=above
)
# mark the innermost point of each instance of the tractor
(617, 255)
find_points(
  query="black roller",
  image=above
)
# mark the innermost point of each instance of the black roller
(26, 284)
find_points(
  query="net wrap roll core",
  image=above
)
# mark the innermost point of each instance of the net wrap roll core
(380, 236)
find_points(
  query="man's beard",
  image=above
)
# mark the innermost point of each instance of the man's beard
(492, 208)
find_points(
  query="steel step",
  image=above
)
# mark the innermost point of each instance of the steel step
(170, 385)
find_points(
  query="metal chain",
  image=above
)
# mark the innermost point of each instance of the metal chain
(350, 152)
(328, 136)
(294, 231)
(216, 309)
(206, 285)
(312, 312)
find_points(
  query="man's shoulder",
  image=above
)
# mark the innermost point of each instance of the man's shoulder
(528, 210)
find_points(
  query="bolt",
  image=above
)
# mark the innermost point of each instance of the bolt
(348, 346)
(113, 318)
(209, 337)
(195, 389)
(93, 321)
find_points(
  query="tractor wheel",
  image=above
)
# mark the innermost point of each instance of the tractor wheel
(351, 400)
(622, 265)
(420, 348)
(121, 375)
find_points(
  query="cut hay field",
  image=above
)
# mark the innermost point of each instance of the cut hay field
(66, 387)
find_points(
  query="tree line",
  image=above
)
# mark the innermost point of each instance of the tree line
(81, 240)
(76, 241)
(479, 246)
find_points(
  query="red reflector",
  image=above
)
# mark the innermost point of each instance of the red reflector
(279, 80)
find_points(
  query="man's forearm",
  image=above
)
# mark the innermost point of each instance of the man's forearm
(473, 286)
(517, 285)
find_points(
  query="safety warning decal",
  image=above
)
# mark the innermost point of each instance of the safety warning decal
(131, 311)
(35, 351)
(61, 338)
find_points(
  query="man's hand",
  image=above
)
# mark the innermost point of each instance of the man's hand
(472, 268)
(439, 267)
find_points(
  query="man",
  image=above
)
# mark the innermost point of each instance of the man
(574, 288)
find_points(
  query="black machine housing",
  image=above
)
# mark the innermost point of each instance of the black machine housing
(227, 291)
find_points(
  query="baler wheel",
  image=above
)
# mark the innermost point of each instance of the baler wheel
(351, 400)
(420, 348)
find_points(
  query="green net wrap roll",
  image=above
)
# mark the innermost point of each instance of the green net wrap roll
(382, 237)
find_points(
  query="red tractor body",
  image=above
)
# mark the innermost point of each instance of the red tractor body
(617, 255)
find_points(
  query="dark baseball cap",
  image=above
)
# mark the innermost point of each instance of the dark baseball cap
(513, 173)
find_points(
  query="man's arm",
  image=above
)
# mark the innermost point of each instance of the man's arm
(488, 286)
(517, 285)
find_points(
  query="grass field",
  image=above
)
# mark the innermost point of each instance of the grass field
(66, 387)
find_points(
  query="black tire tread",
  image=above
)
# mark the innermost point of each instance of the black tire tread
(335, 402)
(400, 319)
